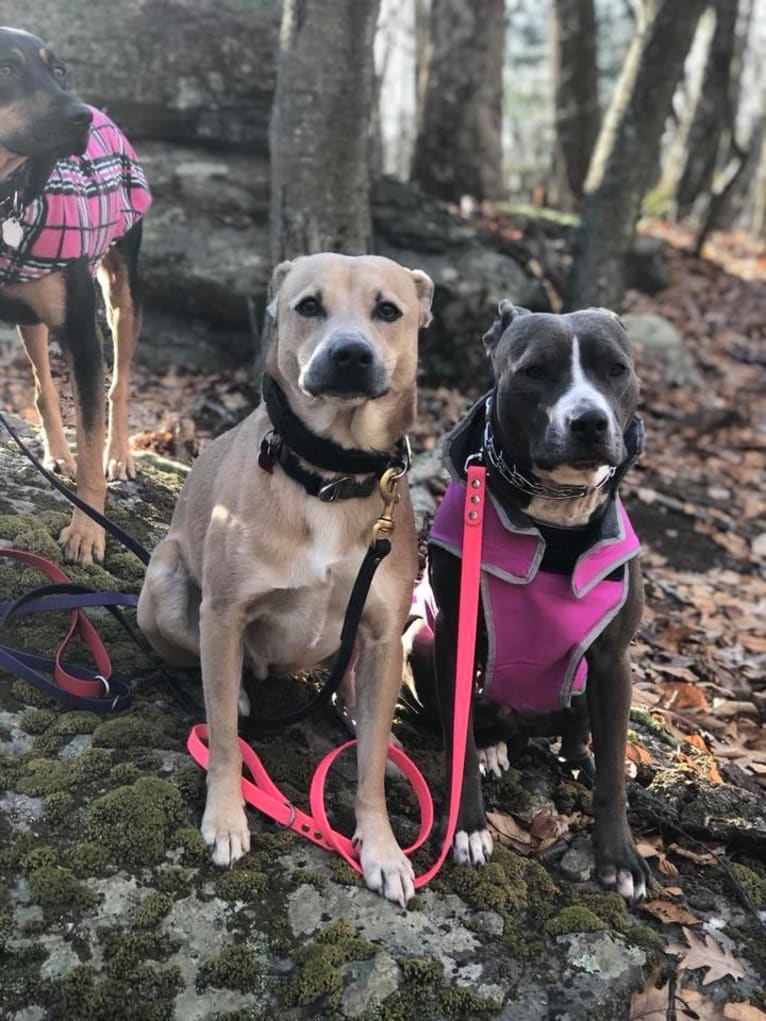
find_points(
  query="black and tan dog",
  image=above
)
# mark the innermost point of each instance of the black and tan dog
(71, 199)
(264, 546)
(561, 583)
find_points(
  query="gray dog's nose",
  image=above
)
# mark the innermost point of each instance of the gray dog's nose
(590, 425)
(351, 353)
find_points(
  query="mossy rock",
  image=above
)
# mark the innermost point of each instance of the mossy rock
(57, 891)
(237, 967)
(135, 822)
(575, 918)
(317, 965)
(152, 909)
(131, 730)
(41, 776)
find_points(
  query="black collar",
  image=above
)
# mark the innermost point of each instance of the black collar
(290, 441)
(473, 439)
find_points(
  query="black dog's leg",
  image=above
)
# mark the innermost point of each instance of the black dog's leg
(472, 843)
(118, 277)
(83, 539)
(609, 690)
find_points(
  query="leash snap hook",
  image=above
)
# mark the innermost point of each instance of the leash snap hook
(388, 488)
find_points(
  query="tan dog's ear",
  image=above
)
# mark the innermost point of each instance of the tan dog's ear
(277, 279)
(507, 312)
(424, 288)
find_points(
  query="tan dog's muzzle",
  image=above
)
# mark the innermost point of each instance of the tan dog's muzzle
(346, 365)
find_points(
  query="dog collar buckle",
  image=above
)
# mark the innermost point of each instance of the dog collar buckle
(332, 491)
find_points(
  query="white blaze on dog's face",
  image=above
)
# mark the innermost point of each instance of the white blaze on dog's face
(566, 391)
(347, 326)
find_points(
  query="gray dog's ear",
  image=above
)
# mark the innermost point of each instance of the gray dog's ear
(608, 312)
(424, 288)
(507, 312)
(277, 279)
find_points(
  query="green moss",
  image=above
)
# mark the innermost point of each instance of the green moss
(343, 873)
(647, 938)
(753, 883)
(152, 910)
(130, 730)
(317, 964)
(42, 776)
(76, 722)
(57, 891)
(608, 906)
(422, 970)
(236, 967)
(27, 851)
(190, 781)
(124, 773)
(575, 918)
(135, 822)
(28, 695)
(48, 744)
(655, 727)
(20, 983)
(88, 858)
(6, 929)
(36, 721)
(244, 881)
(428, 1004)
(59, 806)
(173, 879)
(189, 839)
(310, 877)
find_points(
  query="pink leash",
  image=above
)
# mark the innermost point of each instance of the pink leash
(262, 793)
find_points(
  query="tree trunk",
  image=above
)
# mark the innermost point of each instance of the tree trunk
(459, 145)
(320, 126)
(714, 114)
(575, 96)
(627, 147)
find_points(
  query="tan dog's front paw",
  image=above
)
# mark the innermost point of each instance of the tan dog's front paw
(385, 867)
(119, 464)
(61, 463)
(83, 540)
(225, 830)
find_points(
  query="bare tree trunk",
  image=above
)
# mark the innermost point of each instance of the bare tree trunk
(575, 85)
(459, 145)
(714, 113)
(627, 147)
(320, 127)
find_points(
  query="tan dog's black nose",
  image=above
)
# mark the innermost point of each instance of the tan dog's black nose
(352, 353)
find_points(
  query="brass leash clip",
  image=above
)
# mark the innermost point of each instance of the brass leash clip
(388, 488)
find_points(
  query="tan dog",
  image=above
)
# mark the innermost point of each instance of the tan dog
(255, 565)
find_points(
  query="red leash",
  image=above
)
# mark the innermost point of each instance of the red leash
(263, 794)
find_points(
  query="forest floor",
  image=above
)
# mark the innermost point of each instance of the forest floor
(697, 752)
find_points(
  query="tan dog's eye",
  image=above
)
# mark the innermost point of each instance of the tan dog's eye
(310, 308)
(59, 72)
(387, 311)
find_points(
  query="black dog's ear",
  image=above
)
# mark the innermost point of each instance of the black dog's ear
(507, 312)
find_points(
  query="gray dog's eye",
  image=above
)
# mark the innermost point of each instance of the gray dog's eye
(534, 371)
(387, 311)
(310, 308)
(617, 369)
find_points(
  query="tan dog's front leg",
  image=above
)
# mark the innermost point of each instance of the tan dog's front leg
(224, 823)
(379, 672)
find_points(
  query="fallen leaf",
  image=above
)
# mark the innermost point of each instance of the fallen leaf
(705, 952)
(698, 859)
(505, 829)
(637, 754)
(650, 1003)
(669, 913)
(666, 867)
(682, 695)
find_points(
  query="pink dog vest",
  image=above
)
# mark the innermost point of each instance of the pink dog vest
(539, 625)
(89, 202)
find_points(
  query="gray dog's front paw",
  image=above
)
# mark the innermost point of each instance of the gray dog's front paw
(620, 866)
(473, 848)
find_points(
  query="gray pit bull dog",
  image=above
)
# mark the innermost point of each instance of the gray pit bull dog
(263, 549)
(561, 582)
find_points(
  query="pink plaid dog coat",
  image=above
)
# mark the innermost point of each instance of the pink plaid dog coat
(89, 202)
